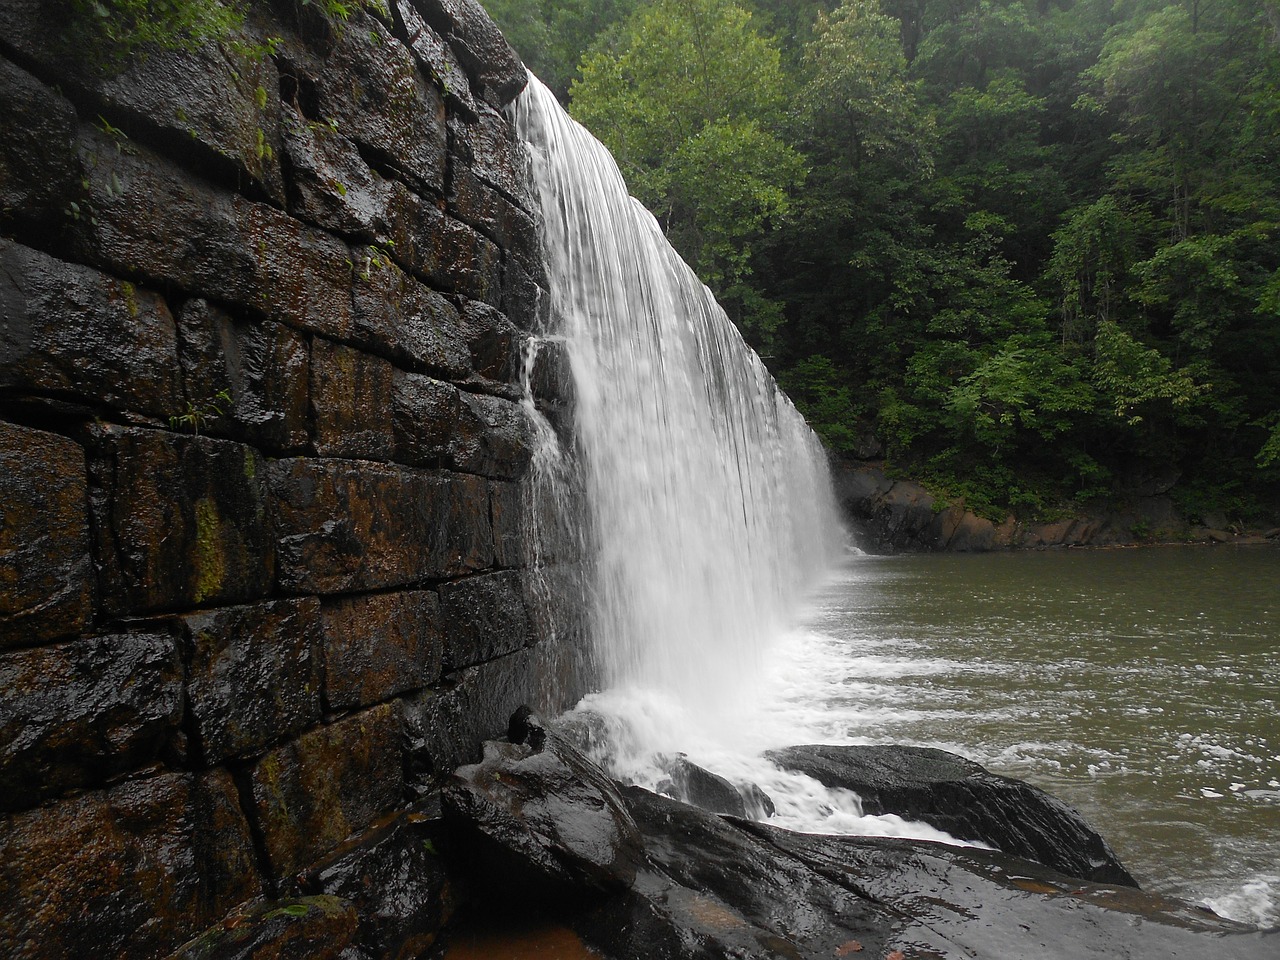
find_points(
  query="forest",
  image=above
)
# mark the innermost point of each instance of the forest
(1025, 251)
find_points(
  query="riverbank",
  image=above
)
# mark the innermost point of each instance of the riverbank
(891, 515)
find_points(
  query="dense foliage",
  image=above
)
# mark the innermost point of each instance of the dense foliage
(1030, 246)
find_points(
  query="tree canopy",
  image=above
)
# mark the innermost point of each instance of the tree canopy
(1030, 246)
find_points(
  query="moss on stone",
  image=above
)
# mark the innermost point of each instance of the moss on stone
(210, 565)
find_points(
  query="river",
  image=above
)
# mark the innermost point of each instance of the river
(1138, 685)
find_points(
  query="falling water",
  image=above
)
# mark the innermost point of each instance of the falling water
(706, 504)
(711, 507)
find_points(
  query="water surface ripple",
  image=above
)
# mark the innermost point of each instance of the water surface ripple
(1140, 686)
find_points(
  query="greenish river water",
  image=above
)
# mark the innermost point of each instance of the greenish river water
(1138, 685)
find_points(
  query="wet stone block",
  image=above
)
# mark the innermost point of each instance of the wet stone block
(327, 785)
(46, 576)
(508, 534)
(223, 106)
(380, 645)
(333, 187)
(210, 243)
(39, 170)
(490, 148)
(492, 437)
(482, 207)
(483, 617)
(263, 367)
(346, 527)
(129, 872)
(370, 84)
(414, 326)
(495, 69)
(525, 299)
(446, 727)
(76, 714)
(495, 344)
(182, 520)
(351, 392)
(444, 251)
(254, 675)
(67, 329)
(435, 57)
(397, 882)
(425, 412)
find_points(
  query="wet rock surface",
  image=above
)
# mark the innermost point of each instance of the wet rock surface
(78, 713)
(543, 817)
(965, 800)
(261, 326)
(699, 787)
(707, 886)
(395, 878)
(46, 572)
(302, 928)
(891, 515)
(124, 872)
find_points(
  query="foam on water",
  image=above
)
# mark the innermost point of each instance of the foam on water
(1255, 901)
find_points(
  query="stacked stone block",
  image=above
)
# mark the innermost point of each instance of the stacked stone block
(262, 578)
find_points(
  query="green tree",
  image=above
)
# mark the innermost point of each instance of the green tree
(859, 93)
(690, 99)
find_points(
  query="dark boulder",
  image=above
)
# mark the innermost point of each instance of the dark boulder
(395, 878)
(544, 821)
(692, 784)
(983, 903)
(962, 798)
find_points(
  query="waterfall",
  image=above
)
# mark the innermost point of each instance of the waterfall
(710, 501)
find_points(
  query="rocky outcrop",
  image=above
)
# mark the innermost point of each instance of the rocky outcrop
(891, 515)
(263, 580)
(706, 886)
(963, 799)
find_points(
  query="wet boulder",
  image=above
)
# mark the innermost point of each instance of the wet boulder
(543, 821)
(395, 878)
(964, 799)
(966, 902)
(692, 784)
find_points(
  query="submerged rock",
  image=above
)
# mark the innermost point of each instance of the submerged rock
(964, 799)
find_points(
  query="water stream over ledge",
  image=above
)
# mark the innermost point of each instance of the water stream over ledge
(710, 501)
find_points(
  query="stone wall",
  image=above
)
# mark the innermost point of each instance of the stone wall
(262, 576)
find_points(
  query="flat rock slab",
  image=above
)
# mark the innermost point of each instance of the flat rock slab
(964, 799)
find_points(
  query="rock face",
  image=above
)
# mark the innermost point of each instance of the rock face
(964, 799)
(263, 581)
(638, 875)
(900, 515)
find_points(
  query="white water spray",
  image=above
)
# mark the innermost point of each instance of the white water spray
(711, 502)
